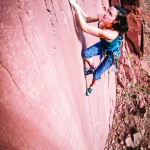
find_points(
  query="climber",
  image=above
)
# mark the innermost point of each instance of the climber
(111, 27)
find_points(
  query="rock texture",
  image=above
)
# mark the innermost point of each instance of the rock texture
(42, 85)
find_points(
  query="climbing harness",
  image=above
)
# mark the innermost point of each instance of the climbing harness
(115, 55)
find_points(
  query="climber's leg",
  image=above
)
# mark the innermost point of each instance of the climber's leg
(88, 54)
(106, 64)
(89, 90)
(89, 61)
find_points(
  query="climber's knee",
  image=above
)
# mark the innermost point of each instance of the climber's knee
(92, 51)
(96, 75)
(86, 54)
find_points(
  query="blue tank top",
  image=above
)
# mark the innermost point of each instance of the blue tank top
(111, 46)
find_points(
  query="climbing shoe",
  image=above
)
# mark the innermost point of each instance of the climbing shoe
(89, 71)
(89, 91)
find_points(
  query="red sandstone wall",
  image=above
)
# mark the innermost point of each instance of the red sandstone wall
(42, 86)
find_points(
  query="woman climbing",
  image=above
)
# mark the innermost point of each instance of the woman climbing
(111, 27)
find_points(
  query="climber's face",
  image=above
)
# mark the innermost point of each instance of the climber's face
(110, 15)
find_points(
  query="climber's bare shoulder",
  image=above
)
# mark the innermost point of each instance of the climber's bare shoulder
(107, 34)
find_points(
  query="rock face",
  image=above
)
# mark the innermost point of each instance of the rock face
(42, 86)
(135, 26)
(133, 43)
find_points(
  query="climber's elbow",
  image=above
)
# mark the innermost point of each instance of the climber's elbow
(84, 28)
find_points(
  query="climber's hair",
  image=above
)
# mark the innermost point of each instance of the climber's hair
(121, 26)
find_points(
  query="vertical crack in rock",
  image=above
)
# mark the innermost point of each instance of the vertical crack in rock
(25, 35)
(110, 2)
(51, 21)
(134, 48)
(54, 11)
(112, 106)
(45, 1)
(60, 5)
(46, 4)
(34, 36)
(23, 9)
(29, 43)
(62, 11)
(53, 30)
(27, 39)
(107, 144)
(12, 78)
(142, 39)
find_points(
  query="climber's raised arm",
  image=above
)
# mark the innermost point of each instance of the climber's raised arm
(102, 33)
(83, 19)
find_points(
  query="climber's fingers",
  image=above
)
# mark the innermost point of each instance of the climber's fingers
(74, 4)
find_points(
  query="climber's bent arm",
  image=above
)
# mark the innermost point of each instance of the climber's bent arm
(106, 34)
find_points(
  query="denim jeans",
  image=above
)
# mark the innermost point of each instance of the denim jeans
(97, 49)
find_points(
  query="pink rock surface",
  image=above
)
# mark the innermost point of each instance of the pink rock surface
(145, 66)
(42, 86)
(135, 34)
(133, 43)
